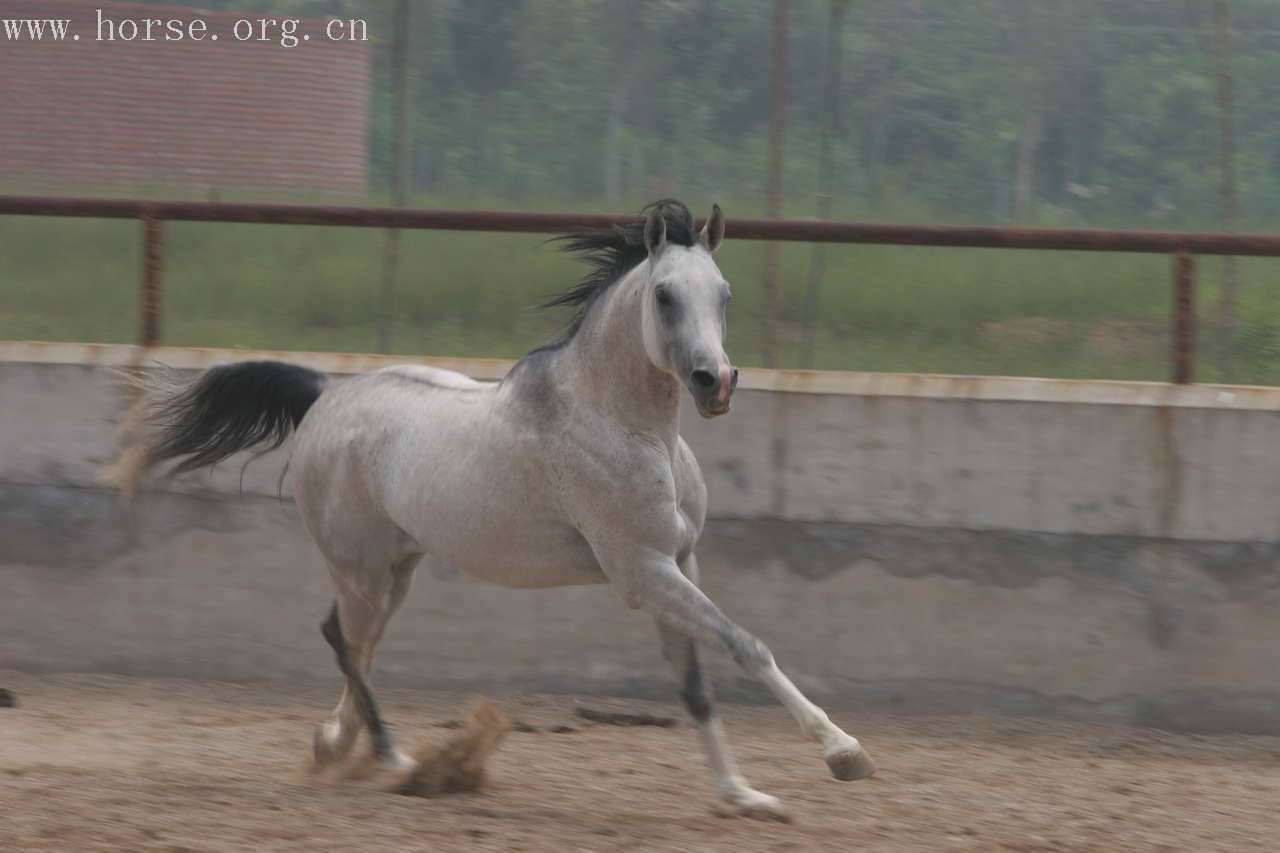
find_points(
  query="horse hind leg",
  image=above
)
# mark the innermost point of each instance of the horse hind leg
(353, 629)
(357, 688)
(402, 574)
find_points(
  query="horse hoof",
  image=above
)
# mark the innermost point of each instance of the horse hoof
(322, 750)
(400, 762)
(754, 805)
(848, 763)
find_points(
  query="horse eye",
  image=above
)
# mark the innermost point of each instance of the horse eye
(664, 298)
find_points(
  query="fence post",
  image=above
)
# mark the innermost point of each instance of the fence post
(399, 175)
(151, 296)
(1184, 316)
(770, 333)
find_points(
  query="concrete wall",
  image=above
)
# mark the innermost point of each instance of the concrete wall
(1086, 549)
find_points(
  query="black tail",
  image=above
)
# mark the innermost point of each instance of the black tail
(225, 410)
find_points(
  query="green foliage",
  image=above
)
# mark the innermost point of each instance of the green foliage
(1106, 105)
(622, 99)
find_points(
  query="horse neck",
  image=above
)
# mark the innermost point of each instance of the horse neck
(608, 369)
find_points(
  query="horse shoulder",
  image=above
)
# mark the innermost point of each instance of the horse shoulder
(620, 486)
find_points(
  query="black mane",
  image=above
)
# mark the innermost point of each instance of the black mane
(612, 254)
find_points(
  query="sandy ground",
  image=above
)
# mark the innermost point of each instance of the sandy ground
(104, 763)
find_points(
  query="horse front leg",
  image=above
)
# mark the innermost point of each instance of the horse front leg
(682, 653)
(658, 587)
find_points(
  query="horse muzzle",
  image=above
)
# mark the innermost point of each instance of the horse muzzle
(712, 390)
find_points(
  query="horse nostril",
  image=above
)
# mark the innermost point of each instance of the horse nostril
(703, 379)
(733, 383)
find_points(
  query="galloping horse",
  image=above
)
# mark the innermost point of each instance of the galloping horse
(570, 470)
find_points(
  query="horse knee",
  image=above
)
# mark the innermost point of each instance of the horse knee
(748, 652)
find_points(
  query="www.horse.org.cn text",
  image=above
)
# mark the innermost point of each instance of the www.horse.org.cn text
(286, 32)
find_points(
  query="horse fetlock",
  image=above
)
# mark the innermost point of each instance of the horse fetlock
(817, 726)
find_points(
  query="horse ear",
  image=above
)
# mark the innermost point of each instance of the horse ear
(655, 233)
(712, 233)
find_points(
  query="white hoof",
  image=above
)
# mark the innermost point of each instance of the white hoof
(746, 802)
(849, 761)
(400, 762)
(323, 747)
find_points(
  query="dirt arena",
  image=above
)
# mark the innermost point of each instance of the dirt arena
(91, 763)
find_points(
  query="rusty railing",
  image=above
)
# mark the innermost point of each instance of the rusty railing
(1181, 246)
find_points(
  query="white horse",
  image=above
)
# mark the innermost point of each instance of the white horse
(568, 471)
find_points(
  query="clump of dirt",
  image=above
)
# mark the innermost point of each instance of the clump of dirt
(451, 766)
(458, 763)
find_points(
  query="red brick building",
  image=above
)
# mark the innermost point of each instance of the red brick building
(133, 114)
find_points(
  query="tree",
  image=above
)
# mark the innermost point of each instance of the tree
(826, 170)
(1227, 320)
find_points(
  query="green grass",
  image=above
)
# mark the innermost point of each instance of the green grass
(881, 308)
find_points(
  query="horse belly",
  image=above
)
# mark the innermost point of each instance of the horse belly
(524, 557)
(534, 574)
(502, 532)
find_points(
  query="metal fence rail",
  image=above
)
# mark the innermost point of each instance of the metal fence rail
(1181, 246)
